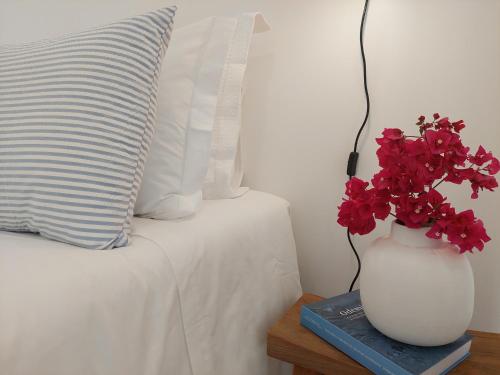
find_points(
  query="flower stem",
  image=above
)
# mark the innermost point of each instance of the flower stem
(439, 183)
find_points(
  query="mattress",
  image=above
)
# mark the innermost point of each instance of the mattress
(192, 296)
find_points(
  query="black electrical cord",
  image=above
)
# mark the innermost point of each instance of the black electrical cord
(353, 156)
(365, 83)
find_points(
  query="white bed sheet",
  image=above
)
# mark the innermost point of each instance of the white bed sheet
(192, 296)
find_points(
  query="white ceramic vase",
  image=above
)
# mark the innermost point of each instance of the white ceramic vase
(415, 289)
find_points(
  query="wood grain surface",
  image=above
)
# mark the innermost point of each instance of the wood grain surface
(288, 341)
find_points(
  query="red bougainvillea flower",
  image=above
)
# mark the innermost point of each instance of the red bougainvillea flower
(457, 153)
(414, 211)
(434, 169)
(438, 140)
(445, 213)
(359, 212)
(493, 167)
(481, 157)
(425, 126)
(441, 218)
(380, 204)
(411, 169)
(479, 180)
(459, 175)
(435, 199)
(390, 154)
(423, 166)
(391, 147)
(458, 125)
(466, 231)
(416, 148)
(355, 189)
(390, 135)
(482, 181)
(356, 216)
(356, 213)
(444, 123)
(382, 180)
(436, 231)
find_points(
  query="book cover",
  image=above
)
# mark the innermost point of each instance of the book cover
(341, 321)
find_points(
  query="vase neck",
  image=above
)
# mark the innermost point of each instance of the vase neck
(414, 237)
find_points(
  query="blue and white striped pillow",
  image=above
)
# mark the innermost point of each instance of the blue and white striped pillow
(76, 120)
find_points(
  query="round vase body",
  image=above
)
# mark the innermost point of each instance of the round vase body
(417, 290)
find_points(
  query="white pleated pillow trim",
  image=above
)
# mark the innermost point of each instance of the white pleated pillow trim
(225, 172)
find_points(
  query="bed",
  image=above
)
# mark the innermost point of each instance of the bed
(190, 296)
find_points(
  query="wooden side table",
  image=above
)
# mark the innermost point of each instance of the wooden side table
(288, 341)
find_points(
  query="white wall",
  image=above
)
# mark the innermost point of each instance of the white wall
(304, 103)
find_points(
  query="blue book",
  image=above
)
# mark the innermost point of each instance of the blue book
(341, 322)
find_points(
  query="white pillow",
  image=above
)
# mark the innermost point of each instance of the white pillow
(189, 85)
(225, 173)
(200, 88)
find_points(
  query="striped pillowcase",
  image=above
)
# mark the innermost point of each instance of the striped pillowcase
(77, 117)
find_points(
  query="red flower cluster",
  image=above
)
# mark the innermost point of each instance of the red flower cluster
(359, 212)
(411, 168)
